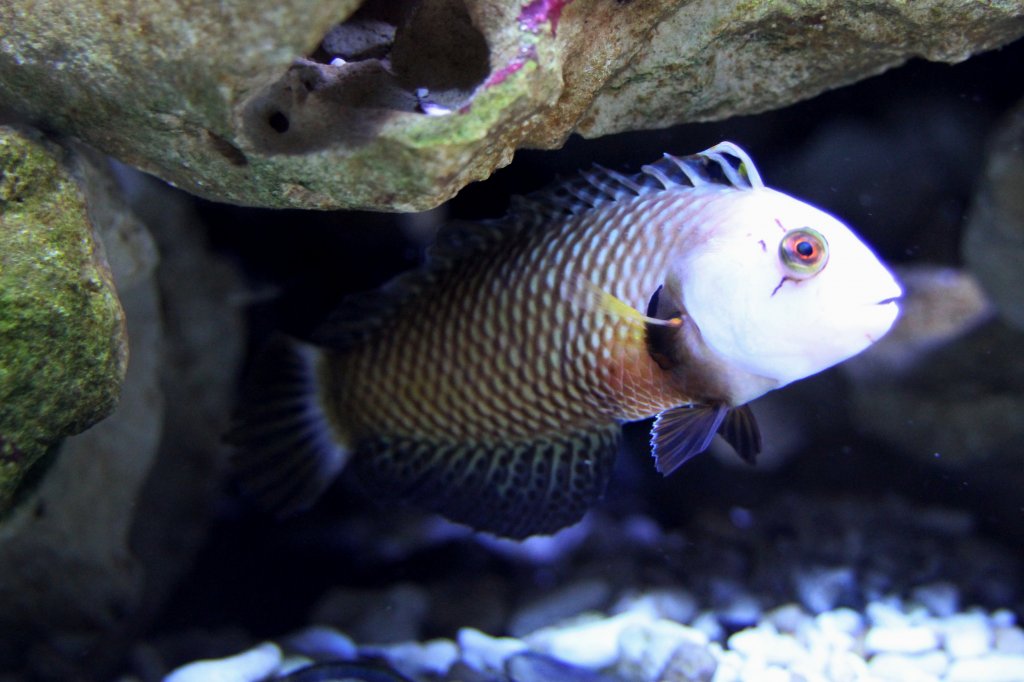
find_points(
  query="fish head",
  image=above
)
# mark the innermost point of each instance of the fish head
(781, 290)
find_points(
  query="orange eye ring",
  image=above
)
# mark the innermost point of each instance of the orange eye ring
(803, 252)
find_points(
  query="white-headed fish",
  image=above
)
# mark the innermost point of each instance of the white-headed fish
(490, 385)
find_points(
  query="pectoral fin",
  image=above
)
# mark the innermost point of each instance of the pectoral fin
(684, 432)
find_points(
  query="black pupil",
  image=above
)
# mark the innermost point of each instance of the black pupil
(805, 249)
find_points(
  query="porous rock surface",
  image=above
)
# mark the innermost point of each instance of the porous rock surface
(63, 348)
(993, 243)
(397, 105)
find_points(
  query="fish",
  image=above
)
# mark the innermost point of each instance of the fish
(490, 385)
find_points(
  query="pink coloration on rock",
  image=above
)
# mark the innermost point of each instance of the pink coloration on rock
(537, 12)
(502, 74)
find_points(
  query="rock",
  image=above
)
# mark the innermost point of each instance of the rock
(689, 662)
(559, 605)
(386, 616)
(903, 668)
(674, 604)
(821, 588)
(740, 609)
(993, 668)
(530, 666)
(993, 243)
(842, 620)
(399, 105)
(322, 643)
(942, 599)
(900, 639)
(1009, 640)
(925, 414)
(249, 666)
(707, 622)
(415, 659)
(484, 653)
(845, 666)
(590, 643)
(766, 644)
(940, 305)
(65, 562)
(63, 348)
(645, 649)
(118, 515)
(966, 635)
(789, 618)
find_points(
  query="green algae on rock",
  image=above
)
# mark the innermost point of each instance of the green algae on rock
(63, 349)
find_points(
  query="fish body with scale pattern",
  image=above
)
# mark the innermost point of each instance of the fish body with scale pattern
(490, 385)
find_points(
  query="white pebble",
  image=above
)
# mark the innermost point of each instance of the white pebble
(742, 610)
(967, 635)
(991, 668)
(322, 642)
(942, 599)
(674, 604)
(592, 643)
(707, 622)
(845, 666)
(689, 662)
(1009, 640)
(487, 654)
(249, 666)
(788, 618)
(1003, 618)
(901, 639)
(899, 668)
(415, 659)
(841, 620)
(820, 588)
(565, 602)
(882, 613)
(767, 644)
(755, 673)
(645, 648)
(730, 664)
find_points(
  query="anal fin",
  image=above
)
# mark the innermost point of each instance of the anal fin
(284, 455)
(510, 488)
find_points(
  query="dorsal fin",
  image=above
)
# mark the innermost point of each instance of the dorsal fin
(725, 165)
(359, 315)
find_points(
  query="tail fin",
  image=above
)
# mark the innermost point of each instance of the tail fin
(285, 456)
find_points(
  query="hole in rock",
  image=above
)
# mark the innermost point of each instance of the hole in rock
(412, 56)
(278, 121)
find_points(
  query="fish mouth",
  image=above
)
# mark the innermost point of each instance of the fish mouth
(887, 301)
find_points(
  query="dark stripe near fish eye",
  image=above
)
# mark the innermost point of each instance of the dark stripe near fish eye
(652, 305)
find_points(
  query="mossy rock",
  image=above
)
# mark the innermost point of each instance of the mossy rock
(63, 349)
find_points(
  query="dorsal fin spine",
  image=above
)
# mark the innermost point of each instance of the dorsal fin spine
(693, 174)
(659, 175)
(746, 167)
(623, 180)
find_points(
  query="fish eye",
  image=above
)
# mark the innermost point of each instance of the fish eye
(803, 252)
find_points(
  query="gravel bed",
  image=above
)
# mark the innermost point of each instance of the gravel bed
(805, 589)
